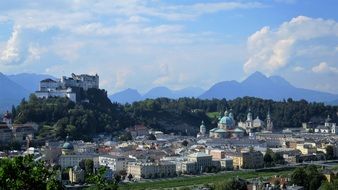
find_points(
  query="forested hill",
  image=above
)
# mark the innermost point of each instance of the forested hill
(60, 116)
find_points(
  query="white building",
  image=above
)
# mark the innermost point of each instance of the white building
(66, 161)
(116, 164)
(67, 93)
(328, 127)
(70, 159)
(151, 170)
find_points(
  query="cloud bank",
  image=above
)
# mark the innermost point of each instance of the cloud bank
(271, 50)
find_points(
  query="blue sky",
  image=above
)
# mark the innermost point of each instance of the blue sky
(143, 44)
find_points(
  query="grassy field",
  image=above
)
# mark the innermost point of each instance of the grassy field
(212, 115)
(200, 180)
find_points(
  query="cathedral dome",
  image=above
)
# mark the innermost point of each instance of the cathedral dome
(67, 145)
(226, 120)
(257, 122)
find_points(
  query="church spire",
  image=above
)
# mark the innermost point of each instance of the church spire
(269, 124)
(249, 116)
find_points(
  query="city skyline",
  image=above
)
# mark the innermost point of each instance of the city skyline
(144, 44)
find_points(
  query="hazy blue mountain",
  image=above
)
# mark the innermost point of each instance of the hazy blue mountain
(188, 92)
(131, 95)
(29, 81)
(334, 102)
(11, 93)
(160, 91)
(126, 96)
(258, 85)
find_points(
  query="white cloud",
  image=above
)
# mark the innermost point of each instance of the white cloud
(270, 50)
(35, 52)
(202, 8)
(11, 51)
(117, 38)
(323, 67)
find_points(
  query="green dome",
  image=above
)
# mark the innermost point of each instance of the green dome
(226, 120)
(220, 131)
(67, 146)
(238, 130)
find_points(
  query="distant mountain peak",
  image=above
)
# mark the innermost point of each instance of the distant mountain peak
(279, 80)
(254, 78)
(261, 86)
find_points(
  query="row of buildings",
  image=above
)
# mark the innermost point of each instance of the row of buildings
(10, 132)
(193, 163)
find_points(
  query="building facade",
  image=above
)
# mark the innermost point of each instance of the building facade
(247, 160)
(116, 164)
(151, 170)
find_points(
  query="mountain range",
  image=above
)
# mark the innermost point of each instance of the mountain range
(15, 87)
(131, 95)
(256, 85)
(261, 86)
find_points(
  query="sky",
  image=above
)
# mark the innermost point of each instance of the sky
(174, 43)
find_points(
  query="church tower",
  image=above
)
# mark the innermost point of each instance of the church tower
(249, 122)
(203, 129)
(269, 123)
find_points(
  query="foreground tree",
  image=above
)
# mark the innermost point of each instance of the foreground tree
(25, 173)
(330, 186)
(232, 184)
(308, 177)
(99, 181)
(329, 152)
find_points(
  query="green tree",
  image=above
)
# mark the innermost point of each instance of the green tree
(235, 184)
(268, 161)
(99, 182)
(87, 165)
(330, 186)
(151, 137)
(185, 143)
(130, 177)
(126, 137)
(299, 177)
(25, 173)
(308, 177)
(329, 152)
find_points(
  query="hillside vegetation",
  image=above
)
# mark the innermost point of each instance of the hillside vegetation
(59, 116)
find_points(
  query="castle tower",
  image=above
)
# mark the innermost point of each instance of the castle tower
(269, 123)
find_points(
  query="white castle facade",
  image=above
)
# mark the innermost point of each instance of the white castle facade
(64, 87)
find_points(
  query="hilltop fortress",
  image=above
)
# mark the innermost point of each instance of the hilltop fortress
(65, 86)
